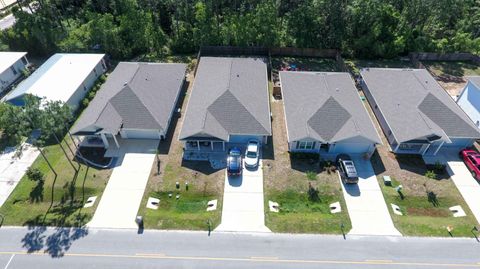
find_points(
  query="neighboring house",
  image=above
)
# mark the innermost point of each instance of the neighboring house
(228, 104)
(469, 99)
(416, 114)
(324, 114)
(12, 64)
(137, 101)
(63, 77)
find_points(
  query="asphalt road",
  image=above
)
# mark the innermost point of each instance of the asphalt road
(68, 248)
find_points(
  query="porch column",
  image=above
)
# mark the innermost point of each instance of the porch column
(441, 144)
(211, 145)
(425, 150)
(223, 145)
(395, 150)
(104, 139)
(116, 142)
(198, 145)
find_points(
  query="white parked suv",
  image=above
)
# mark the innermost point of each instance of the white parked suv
(252, 154)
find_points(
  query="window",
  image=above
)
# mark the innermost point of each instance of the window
(305, 145)
(24, 61)
(13, 70)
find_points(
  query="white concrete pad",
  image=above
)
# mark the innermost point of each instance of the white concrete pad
(462, 178)
(366, 205)
(243, 208)
(152, 203)
(396, 209)
(121, 198)
(90, 202)
(12, 169)
(335, 208)
(212, 205)
(457, 211)
(273, 206)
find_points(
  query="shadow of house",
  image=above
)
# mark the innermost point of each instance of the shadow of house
(202, 167)
(164, 146)
(416, 164)
(235, 181)
(377, 163)
(305, 162)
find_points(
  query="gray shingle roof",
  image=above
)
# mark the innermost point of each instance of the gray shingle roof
(415, 105)
(475, 80)
(229, 97)
(135, 96)
(325, 107)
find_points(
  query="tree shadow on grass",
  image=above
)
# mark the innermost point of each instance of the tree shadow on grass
(36, 195)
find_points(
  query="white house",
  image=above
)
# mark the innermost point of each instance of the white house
(469, 99)
(324, 114)
(12, 65)
(136, 102)
(63, 77)
(416, 114)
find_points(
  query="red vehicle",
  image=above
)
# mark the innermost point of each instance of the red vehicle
(472, 160)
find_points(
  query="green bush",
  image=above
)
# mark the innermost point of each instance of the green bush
(431, 174)
(311, 175)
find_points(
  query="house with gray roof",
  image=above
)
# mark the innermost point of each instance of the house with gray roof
(136, 102)
(416, 114)
(228, 104)
(324, 114)
(469, 99)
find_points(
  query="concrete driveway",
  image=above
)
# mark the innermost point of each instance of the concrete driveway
(12, 169)
(121, 198)
(243, 204)
(461, 177)
(366, 205)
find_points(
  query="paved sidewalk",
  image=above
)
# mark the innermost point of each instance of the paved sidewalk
(121, 199)
(366, 204)
(243, 204)
(12, 170)
(462, 178)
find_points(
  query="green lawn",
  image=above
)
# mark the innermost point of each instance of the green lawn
(422, 218)
(60, 200)
(300, 215)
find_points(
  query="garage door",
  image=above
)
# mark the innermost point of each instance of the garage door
(140, 134)
(352, 148)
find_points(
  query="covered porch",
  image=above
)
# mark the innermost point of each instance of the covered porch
(103, 140)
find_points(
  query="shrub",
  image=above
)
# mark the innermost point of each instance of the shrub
(34, 174)
(431, 174)
(311, 175)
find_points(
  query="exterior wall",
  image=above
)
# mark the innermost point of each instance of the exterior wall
(246, 138)
(459, 143)
(140, 134)
(8, 77)
(469, 101)
(292, 146)
(376, 110)
(85, 87)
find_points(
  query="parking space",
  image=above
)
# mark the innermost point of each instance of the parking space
(366, 205)
(243, 205)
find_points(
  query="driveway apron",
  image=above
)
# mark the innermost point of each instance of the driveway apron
(366, 204)
(243, 205)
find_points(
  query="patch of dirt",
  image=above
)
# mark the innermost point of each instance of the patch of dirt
(430, 212)
(282, 173)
